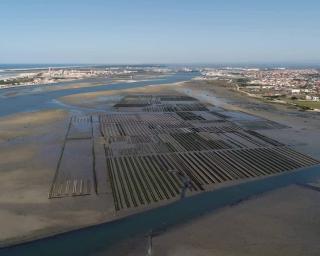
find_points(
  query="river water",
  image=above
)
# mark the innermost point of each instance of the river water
(31, 100)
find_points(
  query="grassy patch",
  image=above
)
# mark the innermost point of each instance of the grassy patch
(307, 104)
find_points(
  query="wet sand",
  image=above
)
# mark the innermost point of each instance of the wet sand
(303, 126)
(92, 98)
(282, 222)
(30, 144)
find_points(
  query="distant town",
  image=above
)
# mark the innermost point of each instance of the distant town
(56, 75)
(299, 87)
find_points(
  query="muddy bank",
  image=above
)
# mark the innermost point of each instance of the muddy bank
(30, 145)
(302, 126)
(289, 227)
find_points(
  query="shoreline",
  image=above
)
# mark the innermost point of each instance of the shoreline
(157, 88)
(264, 187)
(30, 143)
(278, 101)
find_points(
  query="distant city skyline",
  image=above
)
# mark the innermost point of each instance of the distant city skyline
(142, 31)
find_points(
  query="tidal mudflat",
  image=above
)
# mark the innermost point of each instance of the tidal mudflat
(138, 149)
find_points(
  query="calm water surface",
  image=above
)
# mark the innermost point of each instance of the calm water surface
(32, 100)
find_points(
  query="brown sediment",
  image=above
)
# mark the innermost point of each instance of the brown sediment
(29, 149)
(299, 127)
(281, 222)
(129, 161)
(150, 129)
(92, 98)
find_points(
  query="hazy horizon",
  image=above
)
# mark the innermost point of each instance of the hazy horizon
(315, 64)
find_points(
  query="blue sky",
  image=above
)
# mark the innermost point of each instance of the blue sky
(162, 31)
